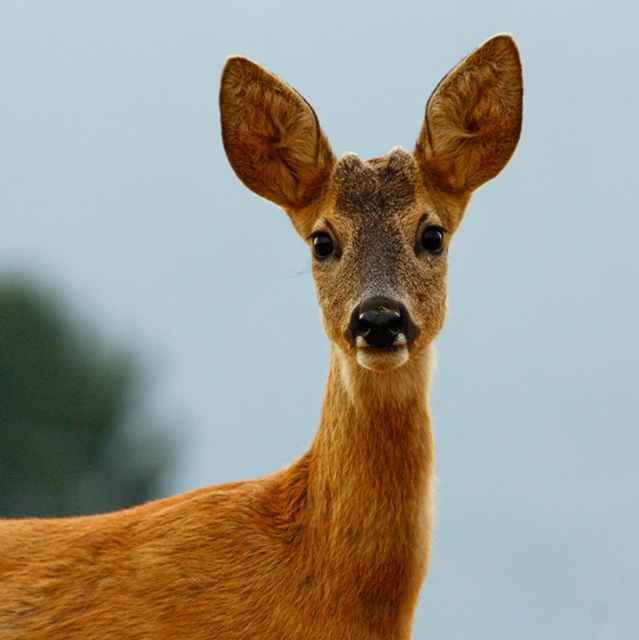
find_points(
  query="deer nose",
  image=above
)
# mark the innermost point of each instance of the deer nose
(379, 327)
(379, 321)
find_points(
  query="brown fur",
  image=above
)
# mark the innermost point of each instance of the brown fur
(334, 547)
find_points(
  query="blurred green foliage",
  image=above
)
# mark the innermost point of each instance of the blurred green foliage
(71, 421)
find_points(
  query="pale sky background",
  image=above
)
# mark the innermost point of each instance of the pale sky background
(114, 189)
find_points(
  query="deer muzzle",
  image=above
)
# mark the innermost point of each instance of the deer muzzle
(381, 323)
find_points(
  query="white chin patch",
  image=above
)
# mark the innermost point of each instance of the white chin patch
(381, 359)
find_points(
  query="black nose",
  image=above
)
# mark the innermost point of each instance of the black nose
(379, 321)
(379, 327)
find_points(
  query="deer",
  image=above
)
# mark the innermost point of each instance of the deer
(334, 546)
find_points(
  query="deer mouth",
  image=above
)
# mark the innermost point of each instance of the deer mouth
(381, 358)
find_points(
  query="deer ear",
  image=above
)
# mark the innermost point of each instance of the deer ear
(473, 118)
(271, 135)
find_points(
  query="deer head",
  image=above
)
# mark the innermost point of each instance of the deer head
(378, 230)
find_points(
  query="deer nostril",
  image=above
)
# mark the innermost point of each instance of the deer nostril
(385, 319)
(379, 326)
(381, 323)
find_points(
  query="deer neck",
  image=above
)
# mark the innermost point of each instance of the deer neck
(372, 462)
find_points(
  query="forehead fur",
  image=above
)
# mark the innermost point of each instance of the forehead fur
(375, 185)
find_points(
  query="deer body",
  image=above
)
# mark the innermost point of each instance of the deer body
(335, 546)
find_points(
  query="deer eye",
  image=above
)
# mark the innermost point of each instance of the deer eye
(432, 240)
(322, 245)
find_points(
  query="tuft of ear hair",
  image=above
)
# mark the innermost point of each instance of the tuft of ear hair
(271, 135)
(473, 118)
